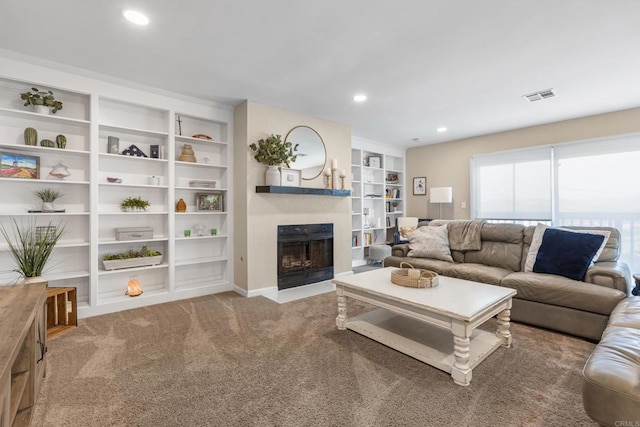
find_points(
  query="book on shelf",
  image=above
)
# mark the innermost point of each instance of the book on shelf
(39, 211)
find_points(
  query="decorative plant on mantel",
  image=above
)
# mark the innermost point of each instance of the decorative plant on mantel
(39, 97)
(273, 152)
(30, 246)
(134, 203)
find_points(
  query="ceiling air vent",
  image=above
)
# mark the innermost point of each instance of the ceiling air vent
(542, 94)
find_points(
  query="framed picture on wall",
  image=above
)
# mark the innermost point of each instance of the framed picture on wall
(420, 186)
(19, 166)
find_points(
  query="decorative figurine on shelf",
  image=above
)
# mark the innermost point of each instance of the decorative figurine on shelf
(366, 218)
(30, 136)
(187, 154)
(61, 141)
(199, 229)
(134, 288)
(179, 120)
(60, 171)
(133, 151)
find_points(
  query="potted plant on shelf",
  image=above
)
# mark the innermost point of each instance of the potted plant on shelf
(30, 246)
(48, 197)
(42, 102)
(273, 152)
(131, 204)
(131, 258)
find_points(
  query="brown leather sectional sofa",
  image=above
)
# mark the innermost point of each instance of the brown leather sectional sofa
(611, 376)
(579, 308)
(599, 308)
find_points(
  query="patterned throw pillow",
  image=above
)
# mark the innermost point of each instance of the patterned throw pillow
(430, 242)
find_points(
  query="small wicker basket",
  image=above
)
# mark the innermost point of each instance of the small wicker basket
(427, 278)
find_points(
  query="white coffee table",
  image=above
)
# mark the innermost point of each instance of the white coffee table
(434, 325)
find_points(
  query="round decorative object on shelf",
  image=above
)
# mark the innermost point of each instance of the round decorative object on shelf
(272, 176)
(187, 154)
(181, 206)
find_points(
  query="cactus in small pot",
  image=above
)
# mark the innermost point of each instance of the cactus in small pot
(30, 136)
(47, 143)
(61, 141)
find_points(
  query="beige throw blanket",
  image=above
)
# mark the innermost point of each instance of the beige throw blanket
(464, 235)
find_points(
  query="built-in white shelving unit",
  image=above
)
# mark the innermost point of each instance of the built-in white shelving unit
(378, 185)
(191, 266)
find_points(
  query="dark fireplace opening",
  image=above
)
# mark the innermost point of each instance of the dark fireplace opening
(305, 254)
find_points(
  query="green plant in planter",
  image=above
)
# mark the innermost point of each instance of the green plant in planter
(134, 203)
(272, 151)
(142, 253)
(31, 246)
(48, 195)
(38, 97)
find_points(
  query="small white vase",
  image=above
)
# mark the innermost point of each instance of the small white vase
(42, 109)
(48, 207)
(272, 176)
(35, 279)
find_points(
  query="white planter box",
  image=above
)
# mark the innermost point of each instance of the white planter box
(117, 264)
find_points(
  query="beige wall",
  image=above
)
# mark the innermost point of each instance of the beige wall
(448, 164)
(258, 215)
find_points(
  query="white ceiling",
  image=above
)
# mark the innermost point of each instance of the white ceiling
(463, 64)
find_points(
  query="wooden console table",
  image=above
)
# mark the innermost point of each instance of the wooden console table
(23, 347)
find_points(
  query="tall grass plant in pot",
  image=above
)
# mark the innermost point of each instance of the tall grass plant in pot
(31, 245)
(48, 197)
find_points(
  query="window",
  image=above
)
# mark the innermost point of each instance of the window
(587, 183)
(512, 185)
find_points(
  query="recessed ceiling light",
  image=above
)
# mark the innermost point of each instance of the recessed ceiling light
(360, 98)
(135, 17)
(441, 129)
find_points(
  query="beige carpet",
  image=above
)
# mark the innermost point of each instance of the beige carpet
(225, 360)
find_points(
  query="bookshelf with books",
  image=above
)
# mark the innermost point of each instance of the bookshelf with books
(378, 187)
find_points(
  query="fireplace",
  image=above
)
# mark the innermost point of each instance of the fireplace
(305, 254)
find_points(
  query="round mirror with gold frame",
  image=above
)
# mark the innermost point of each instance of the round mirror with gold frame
(312, 153)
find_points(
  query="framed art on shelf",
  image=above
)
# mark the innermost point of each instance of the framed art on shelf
(374, 162)
(290, 177)
(420, 186)
(19, 166)
(209, 202)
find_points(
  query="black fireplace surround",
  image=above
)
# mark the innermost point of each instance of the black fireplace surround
(305, 254)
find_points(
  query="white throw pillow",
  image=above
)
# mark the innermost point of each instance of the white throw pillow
(430, 242)
(538, 234)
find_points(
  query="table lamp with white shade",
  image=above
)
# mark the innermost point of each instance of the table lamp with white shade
(441, 195)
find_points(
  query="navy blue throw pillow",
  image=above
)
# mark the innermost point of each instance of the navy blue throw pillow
(566, 253)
